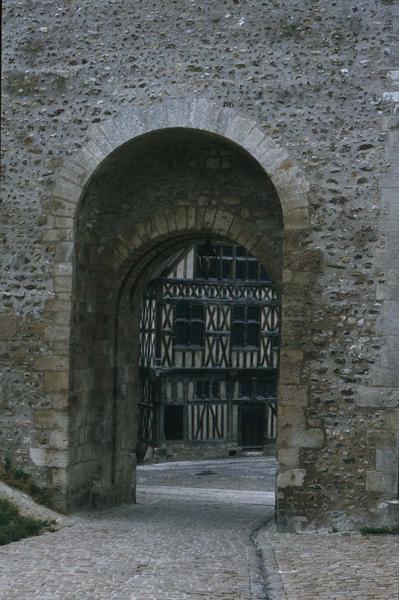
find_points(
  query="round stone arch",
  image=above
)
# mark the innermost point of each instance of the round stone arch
(299, 268)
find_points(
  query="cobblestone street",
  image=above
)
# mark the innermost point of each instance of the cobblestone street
(191, 537)
(322, 566)
(164, 548)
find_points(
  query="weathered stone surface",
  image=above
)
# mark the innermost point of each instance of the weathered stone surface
(387, 459)
(293, 394)
(291, 478)
(381, 482)
(304, 90)
(8, 327)
(374, 397)
(320, 566)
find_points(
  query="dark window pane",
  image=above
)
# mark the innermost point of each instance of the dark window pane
(216, 389)
(202, 389)
(240, 251)
(227, 250)
(214, 268)
(209, 250)
(252, 334)
(252, 269)
(263, 274)
(227, 269)
(262, 387)
(196, 336)
(253, 313)
(266, 387)
(238, 313)
(241, 269)
(200, 267)
(173, 422)
(245, 388)
(181, 332)
(205, 250)
(182, 311)
(196, 311)
(237, 334)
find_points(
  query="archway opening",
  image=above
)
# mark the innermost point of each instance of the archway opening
(150, 201)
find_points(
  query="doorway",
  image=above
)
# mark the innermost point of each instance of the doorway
(252, 426)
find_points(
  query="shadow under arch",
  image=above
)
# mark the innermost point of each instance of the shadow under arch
(153, 196)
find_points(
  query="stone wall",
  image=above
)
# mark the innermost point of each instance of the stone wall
(314, 78)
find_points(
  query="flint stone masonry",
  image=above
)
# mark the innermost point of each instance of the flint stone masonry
(130, 129)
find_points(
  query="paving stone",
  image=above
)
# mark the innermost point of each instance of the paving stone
(322, 566)
(167, 548)
(198, 545)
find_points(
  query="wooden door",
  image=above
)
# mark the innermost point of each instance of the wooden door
(252, 425)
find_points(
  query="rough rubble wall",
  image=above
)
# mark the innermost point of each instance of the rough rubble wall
(385, 373)
(312, 74)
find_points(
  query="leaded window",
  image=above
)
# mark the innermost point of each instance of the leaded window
(189, 324)
(245, 326)
(265, 388)
(207, 389)
(245, 388)
(221, 261)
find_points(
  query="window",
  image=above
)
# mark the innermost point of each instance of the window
(189, 324)
(207, 389)
(245, 388)
(247, 266)
(209, 263)
(220, 261)
(173, 422)
(266, 388)
(245, 326)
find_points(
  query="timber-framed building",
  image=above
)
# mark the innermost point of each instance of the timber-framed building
(209, 352)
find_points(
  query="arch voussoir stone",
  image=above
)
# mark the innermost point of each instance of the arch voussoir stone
(196, 113)
(274, 157)
(186, 220)
(239, 128)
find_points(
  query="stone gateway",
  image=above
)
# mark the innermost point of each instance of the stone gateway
(133, 131)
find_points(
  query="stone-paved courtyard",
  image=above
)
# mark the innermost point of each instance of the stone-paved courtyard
(319, 566)
(191, 537)
(165, 547)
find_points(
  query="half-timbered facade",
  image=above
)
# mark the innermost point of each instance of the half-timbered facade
(209, 355)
